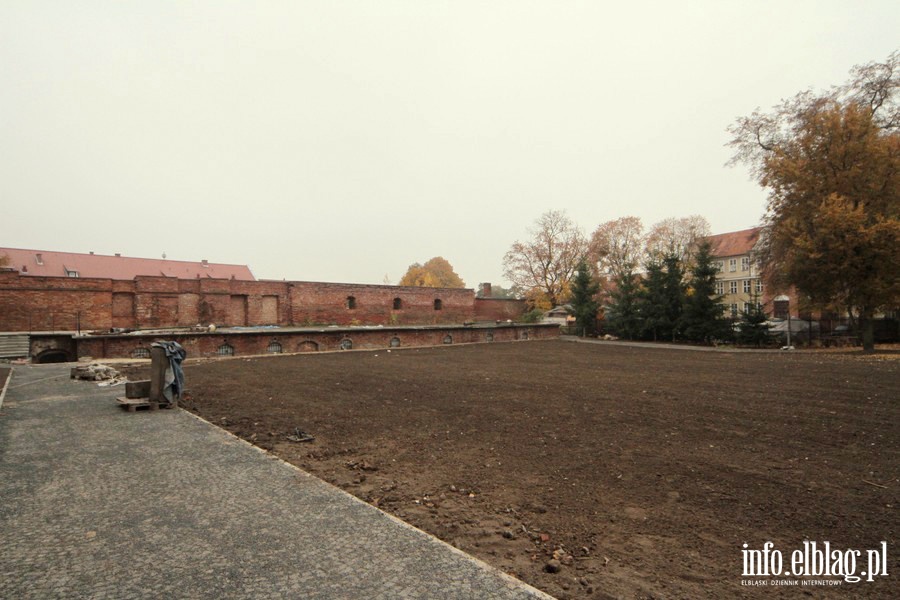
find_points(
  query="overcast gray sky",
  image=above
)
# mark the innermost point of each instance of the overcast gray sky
(342, 141)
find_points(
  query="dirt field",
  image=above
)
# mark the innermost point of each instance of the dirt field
(637, 473)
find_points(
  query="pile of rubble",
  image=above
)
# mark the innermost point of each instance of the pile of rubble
(98, 372)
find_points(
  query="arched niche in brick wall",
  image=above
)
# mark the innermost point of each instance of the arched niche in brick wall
(308, 346)
(53, 355)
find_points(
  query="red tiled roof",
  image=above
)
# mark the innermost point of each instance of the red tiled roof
(58, 264)
(734, 243)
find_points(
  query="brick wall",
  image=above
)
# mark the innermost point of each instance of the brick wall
(498, 309)
(58, 303)
(244, 343)
(346, 304)
(54, 303)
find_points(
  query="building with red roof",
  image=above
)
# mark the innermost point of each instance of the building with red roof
(739, 279)
(45, 263)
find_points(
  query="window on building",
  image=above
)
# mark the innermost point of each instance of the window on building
(732, 265)
(720, 287)
(448, 339)
(781, 308)
(745, 263)
(438, 305)
(346, 344)
(747, 306)
(759, 286)
(395, 342)
(351, 302)
(225, 350)
(734, 309)
(398, 303)
(746, 286)
(71, 273)
(720, 265)
(274, 347)
(140, 353)
(733, 287)
(490, 336)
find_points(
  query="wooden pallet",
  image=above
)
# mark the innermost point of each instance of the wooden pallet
(136, 404)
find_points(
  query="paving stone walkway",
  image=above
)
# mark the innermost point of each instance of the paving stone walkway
(99, 503)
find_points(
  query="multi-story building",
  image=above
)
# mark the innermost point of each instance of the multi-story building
(739, 279)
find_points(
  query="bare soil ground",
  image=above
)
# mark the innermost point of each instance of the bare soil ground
(637, 473)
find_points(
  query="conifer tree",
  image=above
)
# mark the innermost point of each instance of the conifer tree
(754, 325)
(624, 312)
(674, 292)
(703, 317)
(652, 300)
(584, 299)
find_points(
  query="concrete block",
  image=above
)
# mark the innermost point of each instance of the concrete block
(137, 389)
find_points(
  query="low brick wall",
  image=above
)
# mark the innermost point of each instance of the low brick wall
(245, 342)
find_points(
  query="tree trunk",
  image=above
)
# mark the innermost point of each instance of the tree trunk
(867, 330)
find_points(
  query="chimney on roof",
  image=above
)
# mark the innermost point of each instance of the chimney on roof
(92, 252)
(117, 254)
(486, 290)
(204, 262)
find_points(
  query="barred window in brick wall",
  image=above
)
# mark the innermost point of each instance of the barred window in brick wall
(274, 347)
(140, 353)
(225, 350)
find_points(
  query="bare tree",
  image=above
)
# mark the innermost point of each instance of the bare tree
(678, 237)
(544, 265)
(617, 247)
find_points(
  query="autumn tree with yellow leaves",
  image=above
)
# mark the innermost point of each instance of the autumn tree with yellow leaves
(831, 164)
(437, 272)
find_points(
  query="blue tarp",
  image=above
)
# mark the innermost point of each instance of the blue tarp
(174, 383)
